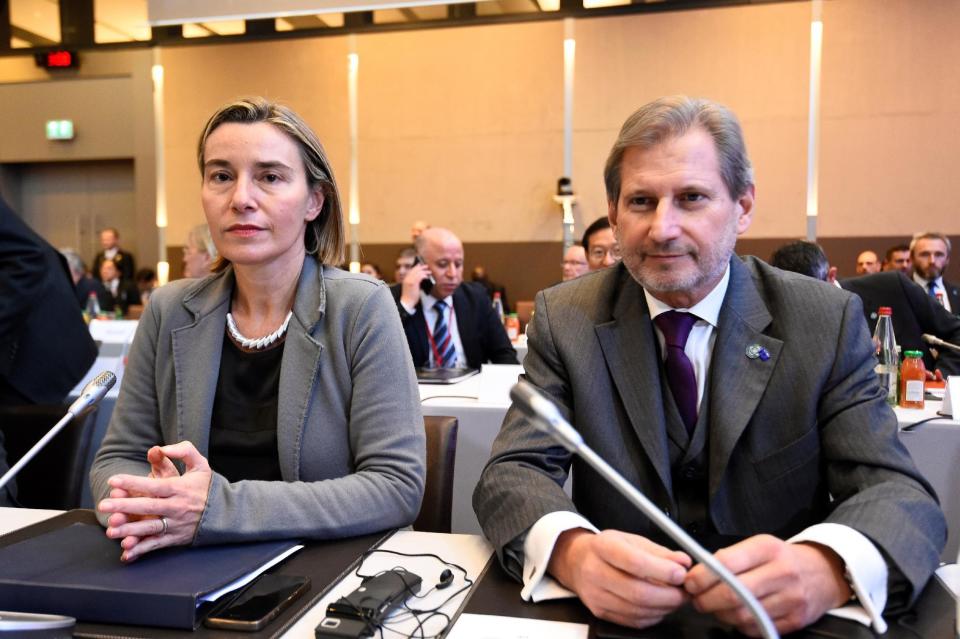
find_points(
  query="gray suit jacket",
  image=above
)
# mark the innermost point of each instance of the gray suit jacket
(785, 434)
(349, 427)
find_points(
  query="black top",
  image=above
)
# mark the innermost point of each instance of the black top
(243, 428)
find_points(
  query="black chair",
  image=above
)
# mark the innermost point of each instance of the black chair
(54, 478)
(437, 509)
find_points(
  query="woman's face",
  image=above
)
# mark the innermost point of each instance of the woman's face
(255, 195)
(196, 261)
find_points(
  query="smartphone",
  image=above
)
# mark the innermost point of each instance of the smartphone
(258, 603)
(342, 628)
(426, 284)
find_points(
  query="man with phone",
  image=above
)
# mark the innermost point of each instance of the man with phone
(449, 323)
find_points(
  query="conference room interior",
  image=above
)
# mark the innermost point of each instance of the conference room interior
(466, 115)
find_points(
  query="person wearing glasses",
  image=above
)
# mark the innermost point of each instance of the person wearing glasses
(600, 244)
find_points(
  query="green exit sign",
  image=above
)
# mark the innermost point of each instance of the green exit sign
(59, 129)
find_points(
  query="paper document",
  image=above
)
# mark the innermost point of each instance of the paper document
(495, 627)
(243, 581)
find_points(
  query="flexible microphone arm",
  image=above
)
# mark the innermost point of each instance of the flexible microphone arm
(547, 418)
(92, 393)
(933, 340)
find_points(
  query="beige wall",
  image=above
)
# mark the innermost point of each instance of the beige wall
(110, 101)
(463, 126)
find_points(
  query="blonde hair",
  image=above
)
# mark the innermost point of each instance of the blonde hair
(325, 232)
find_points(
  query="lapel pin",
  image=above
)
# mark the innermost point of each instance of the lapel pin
(755, 350)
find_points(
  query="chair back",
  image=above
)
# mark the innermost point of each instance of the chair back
(54, 478)
(437, 509)
(524, 312)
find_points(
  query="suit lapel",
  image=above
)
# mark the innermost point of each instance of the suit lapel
(466, 326)
(300, 366)
(196, 359)
(737, 380)
(630, 351)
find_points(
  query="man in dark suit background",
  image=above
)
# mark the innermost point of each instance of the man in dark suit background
(453, 324)
(120, 292)
(45, 347)
(110, 242)
(740, 399)
(930, 254)
(913, 311)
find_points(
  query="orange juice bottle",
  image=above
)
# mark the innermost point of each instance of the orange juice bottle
(912, 376)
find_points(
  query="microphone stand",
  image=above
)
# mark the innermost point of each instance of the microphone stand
(546, 417)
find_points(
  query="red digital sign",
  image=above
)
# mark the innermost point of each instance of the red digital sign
(61, 59)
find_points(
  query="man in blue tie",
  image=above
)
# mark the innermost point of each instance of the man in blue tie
(448, 322)
(742, 400)
(930, 253)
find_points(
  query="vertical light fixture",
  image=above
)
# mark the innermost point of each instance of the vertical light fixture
(569, 58)
(353, 70)
(813, 124)
(163, 266)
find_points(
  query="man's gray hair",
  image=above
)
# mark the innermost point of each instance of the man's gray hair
(930, 235)
(74, 261)
(671, 117)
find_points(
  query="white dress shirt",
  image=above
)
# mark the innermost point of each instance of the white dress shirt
(937, 288)
(429, 302)
(866, 568)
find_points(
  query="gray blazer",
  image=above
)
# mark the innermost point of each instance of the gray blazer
(349, 426)
(801, 437)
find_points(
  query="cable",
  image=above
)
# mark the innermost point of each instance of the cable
(409, 612)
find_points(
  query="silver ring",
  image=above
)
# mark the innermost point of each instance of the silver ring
(163, 531)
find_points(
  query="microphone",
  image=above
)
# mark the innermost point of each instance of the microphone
(547, 418)
(92, 393)
(933, 340)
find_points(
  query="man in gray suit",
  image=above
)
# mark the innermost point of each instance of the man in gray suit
(739, 398)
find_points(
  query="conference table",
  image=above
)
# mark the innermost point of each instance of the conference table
(490, 609)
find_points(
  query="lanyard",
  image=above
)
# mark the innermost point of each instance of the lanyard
(433, 344)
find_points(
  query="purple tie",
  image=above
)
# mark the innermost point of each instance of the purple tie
(676, 327)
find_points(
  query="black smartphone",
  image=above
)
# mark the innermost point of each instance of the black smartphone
(426, 284)
(258, 603)
(343, 628)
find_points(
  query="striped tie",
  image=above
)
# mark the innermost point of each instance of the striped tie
(442, 339)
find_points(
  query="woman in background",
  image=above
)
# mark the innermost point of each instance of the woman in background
(199, 253)
(277, 398)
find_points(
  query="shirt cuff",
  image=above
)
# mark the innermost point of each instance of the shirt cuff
(866, 571)
(537, 549)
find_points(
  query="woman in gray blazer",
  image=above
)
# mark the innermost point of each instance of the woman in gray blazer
(275, 397)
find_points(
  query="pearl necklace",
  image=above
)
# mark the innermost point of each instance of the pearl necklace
(260, 342)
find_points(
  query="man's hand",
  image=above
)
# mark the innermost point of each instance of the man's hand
(138, 505)
(624, 578)
(795, 583)
(410, 292)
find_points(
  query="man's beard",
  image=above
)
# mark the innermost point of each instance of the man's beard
(708, 264)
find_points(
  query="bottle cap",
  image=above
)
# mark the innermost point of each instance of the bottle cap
(885, 310)
(912, 354)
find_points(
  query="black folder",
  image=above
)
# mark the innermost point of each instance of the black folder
(75, 570)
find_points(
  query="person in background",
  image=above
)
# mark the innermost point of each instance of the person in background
(742, 400)
(914, 312)
(371, 269)
(479, 275)
(199, 253)
(600, 244)
(897, 258)
(868, 262)
(452, 322)
(83, 284)
(45, 347)
(806, 258)
(223, 432)
(146, 281)
(124, 261)
(121, 293)
(403, 264)
(574, 262)
(416, 229)
(930, 254)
